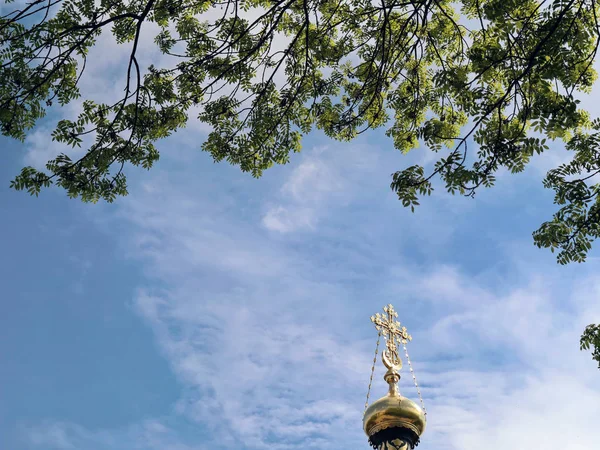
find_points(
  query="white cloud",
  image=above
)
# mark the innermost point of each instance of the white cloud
(284, 219)
(41, 149)
(149, 434)
(239, 329)
(541, 381)
(256, 375)
(304, 195)
(311, 180)
(55, 435)
(321, 182)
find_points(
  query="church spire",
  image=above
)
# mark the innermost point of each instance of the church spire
(393, 422)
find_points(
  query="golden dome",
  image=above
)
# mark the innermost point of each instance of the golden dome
(394, 411)
(393, 421)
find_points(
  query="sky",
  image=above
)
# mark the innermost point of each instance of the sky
(211, 310)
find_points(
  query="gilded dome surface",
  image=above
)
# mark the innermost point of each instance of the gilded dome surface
(394, 411)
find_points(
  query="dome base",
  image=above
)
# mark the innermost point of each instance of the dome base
(396, 438)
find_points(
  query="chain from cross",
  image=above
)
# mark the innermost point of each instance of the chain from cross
(392, 332)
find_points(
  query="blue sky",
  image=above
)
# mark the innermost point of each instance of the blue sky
(210, 310)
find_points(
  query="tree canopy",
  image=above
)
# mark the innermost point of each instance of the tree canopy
(591, 338)
(485, 84)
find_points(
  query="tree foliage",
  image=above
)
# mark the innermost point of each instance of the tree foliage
(591, 338)
(498, 76)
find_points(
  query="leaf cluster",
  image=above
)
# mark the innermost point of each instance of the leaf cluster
(591, 339)
(263, 73)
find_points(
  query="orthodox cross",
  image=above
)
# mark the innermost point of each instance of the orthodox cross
(392, 332)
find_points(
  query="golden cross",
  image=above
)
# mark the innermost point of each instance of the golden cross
(392, 331)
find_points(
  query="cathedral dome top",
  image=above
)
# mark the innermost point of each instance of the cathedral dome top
(393, 421)
(394, 411)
